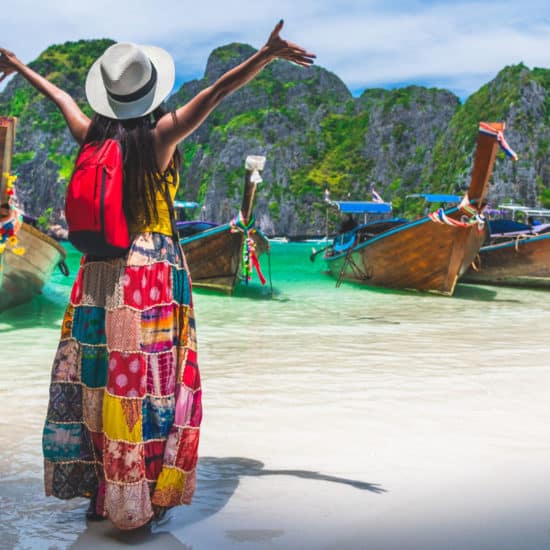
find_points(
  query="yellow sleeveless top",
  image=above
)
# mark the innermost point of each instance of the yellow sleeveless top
(163, 224)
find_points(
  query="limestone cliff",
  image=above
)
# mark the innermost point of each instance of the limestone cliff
(314, 134)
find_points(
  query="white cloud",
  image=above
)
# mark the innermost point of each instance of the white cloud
(366, 43)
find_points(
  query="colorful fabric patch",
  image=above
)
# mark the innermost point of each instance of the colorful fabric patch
(126, 374)
(191, 375)
(170, 485)
(188, 448)
(161, 373)
(76, 291)
(158, 417)
(66, 365)
(94, 365)
(86, 446)
(98, 441)
(65, 404)
(191, 332)
(89, 325)
(61, 442)
(149, 248)
(123, 462)
(196, 413)
(172, 444)
(123, 327)
(189, 490)
(122, 418)
(147, 286)
(92, 408)
(101, 283)
(48, 477)
(157, 325)
(181, 326)
(67, 325)
(181, 287)
(74, 479)
(128, 506)
(154, 456)
(184, 405)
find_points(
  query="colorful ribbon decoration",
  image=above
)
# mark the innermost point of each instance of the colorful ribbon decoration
(485, 128)
(471, 216)
(249, 258)
(10, 224)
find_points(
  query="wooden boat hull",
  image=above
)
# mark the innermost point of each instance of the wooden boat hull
(517, 262)
(214, 257)
(420, 255)
(22, 277)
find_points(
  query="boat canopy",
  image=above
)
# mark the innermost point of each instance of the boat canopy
(542, 212)
(436, 197)
(185, 204)
(366, 207)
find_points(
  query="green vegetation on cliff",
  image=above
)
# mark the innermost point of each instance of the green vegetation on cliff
(314, 134)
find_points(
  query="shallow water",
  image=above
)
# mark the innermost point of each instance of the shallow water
(333, 416)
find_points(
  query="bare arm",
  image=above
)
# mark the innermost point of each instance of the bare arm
(170, 130)
(77, 121)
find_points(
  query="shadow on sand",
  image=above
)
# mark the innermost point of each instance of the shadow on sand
(218, 478)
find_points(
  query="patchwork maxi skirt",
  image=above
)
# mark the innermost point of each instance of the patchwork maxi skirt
(125, 397)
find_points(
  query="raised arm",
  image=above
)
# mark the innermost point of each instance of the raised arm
(77, 121)
(170, 129)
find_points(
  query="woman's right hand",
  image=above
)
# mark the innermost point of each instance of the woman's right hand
(8, 63)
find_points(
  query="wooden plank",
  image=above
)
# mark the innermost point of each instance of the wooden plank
(7, 140)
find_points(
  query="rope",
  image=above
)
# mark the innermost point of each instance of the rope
(359, 273)
(521, 237)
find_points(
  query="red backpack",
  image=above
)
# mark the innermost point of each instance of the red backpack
(93, 205)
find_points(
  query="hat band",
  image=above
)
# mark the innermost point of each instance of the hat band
(138, 94)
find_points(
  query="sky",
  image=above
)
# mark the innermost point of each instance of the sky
(458, 45)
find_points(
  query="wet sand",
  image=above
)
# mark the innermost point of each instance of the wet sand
(376, 421)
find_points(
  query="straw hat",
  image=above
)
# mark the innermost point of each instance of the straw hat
(129, 81)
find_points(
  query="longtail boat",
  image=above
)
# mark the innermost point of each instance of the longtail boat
(428, 254)
(25, 275)
(219, 256)
(27, 255)
(514, 253)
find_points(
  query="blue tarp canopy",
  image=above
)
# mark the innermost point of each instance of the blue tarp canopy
(352, 207)
(436, 197)
(185, 204)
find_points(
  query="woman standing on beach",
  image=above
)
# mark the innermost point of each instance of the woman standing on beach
(123, 418)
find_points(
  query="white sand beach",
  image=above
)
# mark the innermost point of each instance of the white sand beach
(397, 421)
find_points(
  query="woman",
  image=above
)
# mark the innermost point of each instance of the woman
(125, 401)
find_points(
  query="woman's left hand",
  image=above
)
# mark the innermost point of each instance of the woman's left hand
(7, 63)
(283, 49)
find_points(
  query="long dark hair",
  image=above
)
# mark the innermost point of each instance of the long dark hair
(142, 178)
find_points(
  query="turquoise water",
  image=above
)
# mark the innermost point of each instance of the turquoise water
(421, 394)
